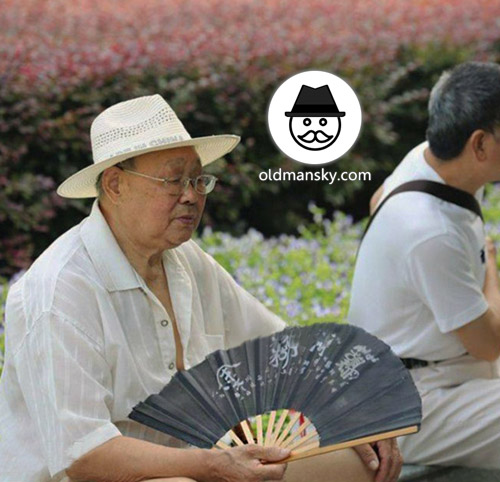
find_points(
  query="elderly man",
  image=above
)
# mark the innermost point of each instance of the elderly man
(117, 304)
(426, 280)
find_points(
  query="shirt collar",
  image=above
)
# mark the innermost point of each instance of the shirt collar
(109, 260)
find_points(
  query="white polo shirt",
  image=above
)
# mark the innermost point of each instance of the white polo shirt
(86, 340)
(420, 269)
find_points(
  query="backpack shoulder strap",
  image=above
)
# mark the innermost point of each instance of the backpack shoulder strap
(442, 191)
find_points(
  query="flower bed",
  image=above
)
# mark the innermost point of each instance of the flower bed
(88, 40)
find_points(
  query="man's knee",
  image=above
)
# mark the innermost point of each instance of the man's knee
(341, 466)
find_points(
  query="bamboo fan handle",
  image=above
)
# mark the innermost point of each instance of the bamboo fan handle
(296, 433)
(302, 440)
(260, 434)
(270, 428)
(238, 430)
(277, 429)
(350, 443)
(247, 431)
(287, 429)
(308, 446)
(222, 445)
(235, 438)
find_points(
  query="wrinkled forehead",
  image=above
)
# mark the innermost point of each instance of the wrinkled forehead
(177, 159)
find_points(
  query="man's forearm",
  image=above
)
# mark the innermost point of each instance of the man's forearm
(491, 287)
(126, 459)
(494, 321)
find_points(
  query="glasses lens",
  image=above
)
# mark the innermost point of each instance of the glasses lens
(202, 184)
(205, 183)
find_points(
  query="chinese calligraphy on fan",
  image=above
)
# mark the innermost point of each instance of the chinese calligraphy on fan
(321, 362)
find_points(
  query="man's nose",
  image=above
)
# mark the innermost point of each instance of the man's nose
(189, 194)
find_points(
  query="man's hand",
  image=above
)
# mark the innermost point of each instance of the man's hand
(244, 464)
(384, 457)
(481, 337)
(376, 198)
(491, 281)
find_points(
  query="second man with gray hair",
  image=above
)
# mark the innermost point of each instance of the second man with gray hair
(426, 279)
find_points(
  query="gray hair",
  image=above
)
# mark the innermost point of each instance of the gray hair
(463, 100)
(126, 164)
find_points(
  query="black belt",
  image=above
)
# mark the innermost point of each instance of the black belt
(415, 363)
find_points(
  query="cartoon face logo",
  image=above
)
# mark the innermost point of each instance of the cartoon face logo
(315, 133)
(305, 122)
(315, 118)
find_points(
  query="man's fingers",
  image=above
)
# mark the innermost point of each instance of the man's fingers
(254, 463)
(490, 246)
(397, 461)
(268, 454)
(385, 456)
(272, 471)
(390, 461)
(491, 282)
(491, 257)
(368, 456)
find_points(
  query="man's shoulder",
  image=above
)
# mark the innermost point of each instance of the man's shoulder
(412, 167)
(412, 215)
(408, 219)
(34, 293)
(60, 264)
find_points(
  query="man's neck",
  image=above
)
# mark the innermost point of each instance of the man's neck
(458, 172)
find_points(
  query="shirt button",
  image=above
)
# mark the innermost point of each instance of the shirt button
(164, 322)
(171, 366)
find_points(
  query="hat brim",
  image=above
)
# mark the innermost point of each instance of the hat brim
(315, 114)
(209, 148)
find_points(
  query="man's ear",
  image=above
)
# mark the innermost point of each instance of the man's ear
(478, 145)
(112, 183)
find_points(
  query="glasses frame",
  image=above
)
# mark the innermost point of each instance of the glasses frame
(184, 179)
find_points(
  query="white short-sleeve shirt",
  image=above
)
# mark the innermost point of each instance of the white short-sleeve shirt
(86, 340)
(420, 269)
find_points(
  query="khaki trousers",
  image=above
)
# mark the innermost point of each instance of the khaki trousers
(461, 415)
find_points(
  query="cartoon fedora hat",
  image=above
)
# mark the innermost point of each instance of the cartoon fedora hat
(315, 102)
(135, 127)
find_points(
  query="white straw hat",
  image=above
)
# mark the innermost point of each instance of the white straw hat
(135, 127)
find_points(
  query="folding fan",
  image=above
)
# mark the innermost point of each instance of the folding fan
(334, 386)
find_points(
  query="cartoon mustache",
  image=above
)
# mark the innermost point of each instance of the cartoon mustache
(318, 136)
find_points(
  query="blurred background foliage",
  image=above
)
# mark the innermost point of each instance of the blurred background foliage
(218, 63)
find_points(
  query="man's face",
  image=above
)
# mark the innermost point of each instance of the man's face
(154, 218)
(314, 133)
(494, 152)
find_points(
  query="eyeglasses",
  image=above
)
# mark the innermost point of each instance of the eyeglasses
(203, 184)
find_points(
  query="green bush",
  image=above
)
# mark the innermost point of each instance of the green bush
(3, 296)
(219, 76)
(56, 144)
